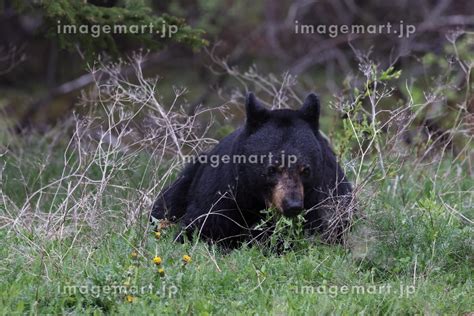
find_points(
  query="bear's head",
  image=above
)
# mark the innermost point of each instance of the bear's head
(287, 154)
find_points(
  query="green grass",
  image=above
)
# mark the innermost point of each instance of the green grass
(412, 236)
(244, 280)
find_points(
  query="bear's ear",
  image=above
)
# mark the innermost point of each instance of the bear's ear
(311, 109)
(256, 113)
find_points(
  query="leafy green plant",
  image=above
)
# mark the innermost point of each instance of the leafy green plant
(143, 28)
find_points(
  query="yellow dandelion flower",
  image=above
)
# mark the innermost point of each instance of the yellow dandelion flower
(157, 260)
(161, 271)
(186, 259)
(130, 298)
(157, 235)
(134, 254)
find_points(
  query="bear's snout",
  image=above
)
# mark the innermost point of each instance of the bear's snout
(288, 195)
(292, 207)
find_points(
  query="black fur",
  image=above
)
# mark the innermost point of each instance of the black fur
(223, 203)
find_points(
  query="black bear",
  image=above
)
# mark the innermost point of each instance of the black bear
(277, 159)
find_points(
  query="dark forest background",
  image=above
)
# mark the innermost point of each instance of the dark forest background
(42, 72)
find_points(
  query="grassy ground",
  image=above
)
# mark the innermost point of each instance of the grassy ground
(83, 245)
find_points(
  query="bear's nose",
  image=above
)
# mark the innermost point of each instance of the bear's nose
(292, 208)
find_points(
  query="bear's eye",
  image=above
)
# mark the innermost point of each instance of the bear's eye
(306, 171)
(271, 170)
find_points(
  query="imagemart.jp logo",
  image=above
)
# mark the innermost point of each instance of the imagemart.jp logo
(163, 291)
(332, 290)
(96, 30)
(334, 30)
